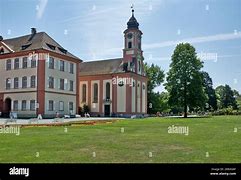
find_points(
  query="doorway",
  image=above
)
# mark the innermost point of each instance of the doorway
(1, 107)
(7, 107)
(107, 110)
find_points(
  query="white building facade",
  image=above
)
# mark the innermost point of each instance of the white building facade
(37, 78)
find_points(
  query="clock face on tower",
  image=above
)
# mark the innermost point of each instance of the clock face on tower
(129, 36)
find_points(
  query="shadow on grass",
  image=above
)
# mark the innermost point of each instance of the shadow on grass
(192, 117)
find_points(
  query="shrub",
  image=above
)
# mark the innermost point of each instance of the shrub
(83, 110)
(80, 110)
(86, 109)
(226, 111)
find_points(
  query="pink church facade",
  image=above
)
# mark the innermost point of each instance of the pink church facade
(116, 87)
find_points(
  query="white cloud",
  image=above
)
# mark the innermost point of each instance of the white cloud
(203, 58)
(40, 8)
(195, 40)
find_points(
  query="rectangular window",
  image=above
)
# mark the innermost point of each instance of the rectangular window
(71, 85)
(51, 63)
(8, 83)
(61, 105)
(51, 82)
(15, 105)
(16, 83)
(9, 64)
(33, 62)
(61, 65)
(33, 82)
(61, 84)
(51, 105)
(24, 105)
(16, 63)
(71, 106)
(71, 68)
(25, 62)
(32, 105)
(24, 82)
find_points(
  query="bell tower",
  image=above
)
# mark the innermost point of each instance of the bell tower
(132, 52)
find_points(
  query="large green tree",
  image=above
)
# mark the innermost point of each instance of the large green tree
(226, 97)
(155, 77)
(210, 92)
(184, 80)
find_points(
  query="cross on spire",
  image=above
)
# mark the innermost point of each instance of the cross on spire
(132, 7)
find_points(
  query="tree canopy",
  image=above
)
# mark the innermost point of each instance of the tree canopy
(226, 97)
(184, 79)
(210, 92)
(155, 77)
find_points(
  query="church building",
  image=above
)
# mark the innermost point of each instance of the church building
(117, 87)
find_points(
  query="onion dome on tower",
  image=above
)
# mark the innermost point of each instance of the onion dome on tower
(132, 23)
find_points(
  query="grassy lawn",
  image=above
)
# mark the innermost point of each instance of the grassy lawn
(214, 135)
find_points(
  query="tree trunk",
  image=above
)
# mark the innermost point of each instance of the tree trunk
(185, 99)
(185, 111)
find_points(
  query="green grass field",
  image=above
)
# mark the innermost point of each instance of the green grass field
(214, 135)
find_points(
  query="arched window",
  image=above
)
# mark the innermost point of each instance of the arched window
(107, 90)
(139, 64)
(84, 93)
(129, 45)
(95, 93)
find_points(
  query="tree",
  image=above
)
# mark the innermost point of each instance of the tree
(184, 80)
(220, 94)
(155, 77)
(154, 99)
(238, 98)
(163, 100)
(226, 97)
(86, 109)
(210, 92)
(160, 101)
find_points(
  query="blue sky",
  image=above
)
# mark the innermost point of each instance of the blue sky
(94, 29)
